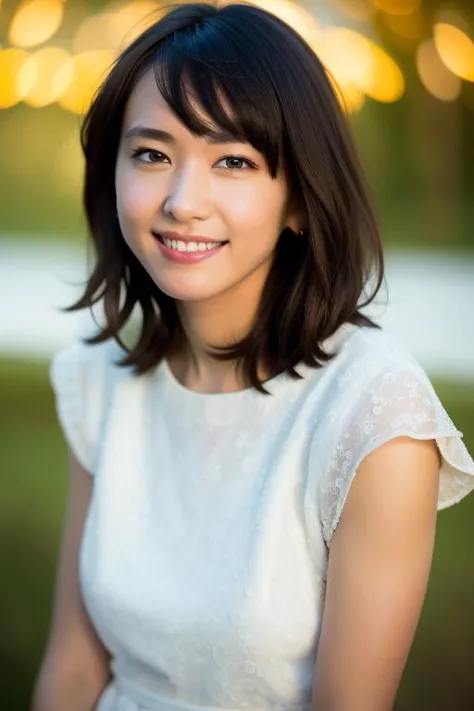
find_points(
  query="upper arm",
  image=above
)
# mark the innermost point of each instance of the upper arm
(73, 649)
(378, 570)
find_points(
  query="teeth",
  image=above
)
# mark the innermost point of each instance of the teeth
(180, 246)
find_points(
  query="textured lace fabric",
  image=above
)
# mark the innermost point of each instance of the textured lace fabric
(206, 544)
(400, 402)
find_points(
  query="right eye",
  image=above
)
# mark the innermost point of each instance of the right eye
(147, 155)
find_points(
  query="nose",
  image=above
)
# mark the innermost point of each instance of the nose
(189, 195)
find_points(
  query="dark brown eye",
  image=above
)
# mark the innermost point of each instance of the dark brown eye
(237, 162)
(148, 155)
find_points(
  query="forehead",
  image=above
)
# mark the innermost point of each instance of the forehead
(147, 106)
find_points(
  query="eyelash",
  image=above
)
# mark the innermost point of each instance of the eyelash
(139, 152)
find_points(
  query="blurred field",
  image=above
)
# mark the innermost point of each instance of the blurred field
(439, 673)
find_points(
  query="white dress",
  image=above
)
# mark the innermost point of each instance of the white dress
(204, 555)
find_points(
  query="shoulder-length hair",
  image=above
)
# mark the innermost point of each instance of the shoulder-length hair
(282, 102)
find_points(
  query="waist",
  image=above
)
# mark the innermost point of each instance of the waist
(122, 690)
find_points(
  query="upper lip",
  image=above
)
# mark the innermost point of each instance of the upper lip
(187, 238)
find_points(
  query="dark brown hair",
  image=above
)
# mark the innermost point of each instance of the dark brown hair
(282, 102)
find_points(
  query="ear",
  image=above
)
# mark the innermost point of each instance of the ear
(296, 218)
(296, 215)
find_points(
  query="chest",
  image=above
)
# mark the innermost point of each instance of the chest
(196, 541)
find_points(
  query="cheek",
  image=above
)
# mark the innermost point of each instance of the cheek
(257, 209)
(137, 197)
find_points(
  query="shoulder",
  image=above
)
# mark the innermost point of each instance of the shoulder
(84, 378)
(87, 360)
(361, 355)
(93, 369)
(386, 394)
(372, 349)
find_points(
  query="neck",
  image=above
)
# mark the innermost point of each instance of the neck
(220, 321)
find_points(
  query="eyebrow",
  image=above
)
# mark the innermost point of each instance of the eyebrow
(158, 134)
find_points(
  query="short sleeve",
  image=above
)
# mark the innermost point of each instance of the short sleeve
(78, 375)
(400, 401)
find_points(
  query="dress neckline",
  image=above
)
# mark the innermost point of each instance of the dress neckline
(174, 383)
(272, 385)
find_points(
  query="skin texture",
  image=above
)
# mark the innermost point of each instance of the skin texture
(379, 564)
(195, 187)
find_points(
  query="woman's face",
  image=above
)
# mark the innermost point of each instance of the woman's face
(186, 184)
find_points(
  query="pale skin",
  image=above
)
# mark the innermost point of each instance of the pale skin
(381, 552)
(379, 565)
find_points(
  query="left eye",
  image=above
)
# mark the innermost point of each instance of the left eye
(147, 155)
(236, 162)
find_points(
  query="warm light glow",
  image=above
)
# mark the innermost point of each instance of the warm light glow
(409, 27)
(129, 22)
(397, 7)
(357, 61)
(347, 55)
(435, 76)
(35, 22)
(93, 34)
(386, 82)
(295, 16)
(11, 90)
(456, 50)
(358, 10)
(27, 77)
(53, 69)
(89, 70)
(350, 97)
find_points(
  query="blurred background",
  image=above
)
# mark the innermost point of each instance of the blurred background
(404, 71)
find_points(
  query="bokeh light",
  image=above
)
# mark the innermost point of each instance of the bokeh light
(357, 61)
(301, 20)
(89, 70)
(35, 22)
(350, 97)
(124, 25)
(409, 27)
(358, 10)
(456, 50)
(434, 74)
(92, 34)
(397, 7)
(53, 69)
(12, 89)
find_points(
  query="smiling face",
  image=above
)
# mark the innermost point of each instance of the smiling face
(168, 179)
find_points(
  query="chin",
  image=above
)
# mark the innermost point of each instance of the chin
(185, 292)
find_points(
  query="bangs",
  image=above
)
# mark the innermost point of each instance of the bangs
(198, 70)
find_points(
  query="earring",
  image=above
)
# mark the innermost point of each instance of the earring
(301, 233)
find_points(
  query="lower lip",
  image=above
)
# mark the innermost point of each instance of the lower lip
(187, 257)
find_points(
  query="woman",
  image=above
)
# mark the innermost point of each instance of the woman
(219, 550)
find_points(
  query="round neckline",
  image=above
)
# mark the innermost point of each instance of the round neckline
(179, 387)
(271, 385)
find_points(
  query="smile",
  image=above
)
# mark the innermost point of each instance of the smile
(181, 246)
(187, 252)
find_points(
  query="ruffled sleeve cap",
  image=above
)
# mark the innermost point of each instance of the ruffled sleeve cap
(399, 401)
(82, 378)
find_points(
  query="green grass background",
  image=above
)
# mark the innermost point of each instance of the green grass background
(440, 672)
